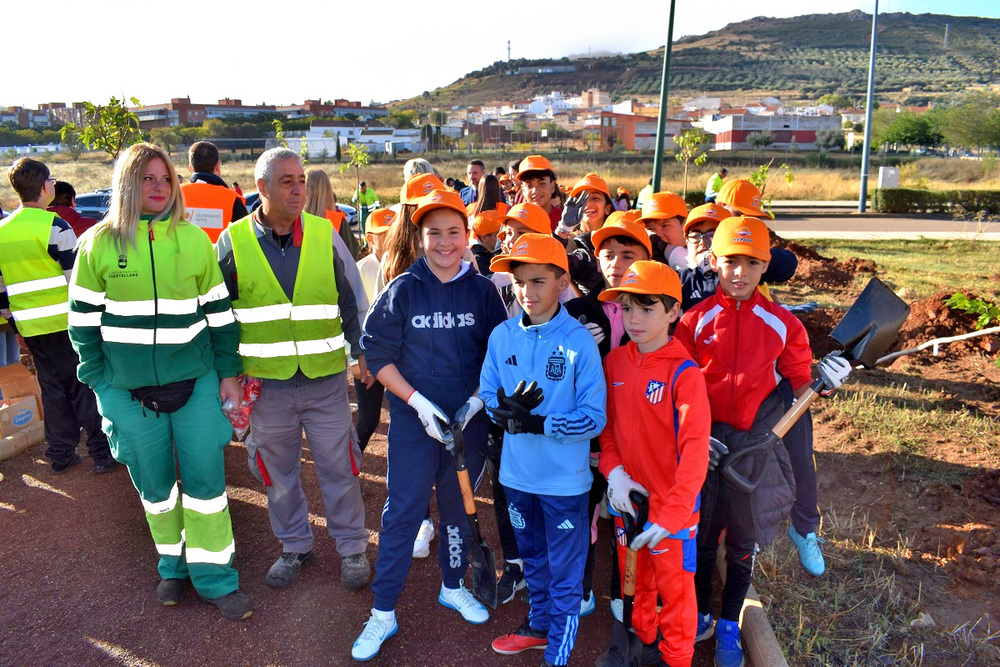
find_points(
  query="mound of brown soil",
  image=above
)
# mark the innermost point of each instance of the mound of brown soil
(819, 324)
(931, 318)
(819, 272)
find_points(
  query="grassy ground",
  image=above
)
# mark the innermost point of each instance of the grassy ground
(94, 171)
(885, 443)
(925, 265)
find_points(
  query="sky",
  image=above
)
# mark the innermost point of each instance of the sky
(317, 49)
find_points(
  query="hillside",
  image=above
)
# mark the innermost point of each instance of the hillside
(799, 58)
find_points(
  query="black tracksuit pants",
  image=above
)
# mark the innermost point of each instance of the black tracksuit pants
(68, 403)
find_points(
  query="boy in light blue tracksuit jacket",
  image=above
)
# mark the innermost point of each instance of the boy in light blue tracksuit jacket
(545, 468)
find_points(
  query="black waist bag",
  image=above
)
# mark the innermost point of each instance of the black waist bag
(164, 398)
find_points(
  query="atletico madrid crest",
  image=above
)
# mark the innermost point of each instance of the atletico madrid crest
(654, 391)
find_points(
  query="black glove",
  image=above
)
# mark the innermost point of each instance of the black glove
(716, 450)
(517, 420)
(525, 397)
(572, 212)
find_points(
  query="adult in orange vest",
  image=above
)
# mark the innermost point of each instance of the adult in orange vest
(208, 201)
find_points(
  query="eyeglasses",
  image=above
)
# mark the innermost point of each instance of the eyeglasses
(51, 180)
(699, 237)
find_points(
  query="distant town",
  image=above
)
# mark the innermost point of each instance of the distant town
(323, 126)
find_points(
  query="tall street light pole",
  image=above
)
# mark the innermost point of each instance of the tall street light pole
(866, 152)
(661, 124)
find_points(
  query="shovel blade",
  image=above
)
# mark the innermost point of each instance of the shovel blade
(484, 572)
(625, 647)
(871, 325)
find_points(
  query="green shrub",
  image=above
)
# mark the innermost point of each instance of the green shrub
(905, 200)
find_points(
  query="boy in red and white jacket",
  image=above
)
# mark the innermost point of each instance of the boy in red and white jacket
(656, 442)
(745, 346)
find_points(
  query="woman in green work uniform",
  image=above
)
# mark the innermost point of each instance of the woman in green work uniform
(151, 320)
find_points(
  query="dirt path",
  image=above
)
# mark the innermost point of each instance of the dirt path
(79, 584)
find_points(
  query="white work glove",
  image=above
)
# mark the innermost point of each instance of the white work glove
(434, 420)
(704, 261)
(595, 330)
(833, 370)
(619, 486)
(649, 537)
(469, 410)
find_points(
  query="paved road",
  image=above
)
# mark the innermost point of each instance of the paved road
(817, 226)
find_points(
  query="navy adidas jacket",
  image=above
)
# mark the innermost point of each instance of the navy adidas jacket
(435, 333)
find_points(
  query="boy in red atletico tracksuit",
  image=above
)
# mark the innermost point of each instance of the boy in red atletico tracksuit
(656, 442)
(745, 345)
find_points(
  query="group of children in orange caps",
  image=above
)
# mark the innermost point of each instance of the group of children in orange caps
(619, 365)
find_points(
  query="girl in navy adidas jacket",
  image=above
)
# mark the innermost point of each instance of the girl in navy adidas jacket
(425, 340)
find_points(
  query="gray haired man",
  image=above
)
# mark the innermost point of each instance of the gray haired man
(298, 319)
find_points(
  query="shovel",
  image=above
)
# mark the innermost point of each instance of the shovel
(866, 332)
(625, 647)
(484, 562)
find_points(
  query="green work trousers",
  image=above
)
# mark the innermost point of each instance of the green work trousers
(190, 524)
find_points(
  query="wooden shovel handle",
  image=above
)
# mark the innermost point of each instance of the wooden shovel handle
(788, 420)
(628, 586)
(467, 498)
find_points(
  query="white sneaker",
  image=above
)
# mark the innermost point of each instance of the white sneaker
(618, 609)
(379, 627)
(588, 604)
(422, 545)
(462, 601)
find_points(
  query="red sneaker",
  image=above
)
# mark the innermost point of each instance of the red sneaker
(522, 639)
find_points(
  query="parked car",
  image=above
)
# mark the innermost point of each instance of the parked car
(94, 204)
(253, 201)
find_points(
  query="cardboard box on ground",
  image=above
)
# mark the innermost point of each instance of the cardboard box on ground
(21, 399)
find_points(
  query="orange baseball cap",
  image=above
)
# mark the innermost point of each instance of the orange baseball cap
(439, 199)
(742, 235)
(533, 249)
(646, 277)
(705, 212)
(531, 216)
(487, 222)
(623, 191)
(664, 205)
(632, 215)
(591, 182)
(622, 226)
(742, 195)
(380, 220)
(419, 186)
(533, 163)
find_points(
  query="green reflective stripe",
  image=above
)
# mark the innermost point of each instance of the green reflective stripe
(208, 532)
(148, 308)
(224, 557)
(222, 319)
(162, 506)
(278, 336)
(34, 280)
(88, 296)
(167, 530)
(39, 285)
(43, 311)
(85, 319)
(204, 505)
(217, 293)
(137, 336)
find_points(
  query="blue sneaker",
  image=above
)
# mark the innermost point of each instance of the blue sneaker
(706, 627)
(728, 647)
(588, 604)
(809, 551)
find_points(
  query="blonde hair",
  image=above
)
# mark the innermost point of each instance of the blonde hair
(122, 219)
(319, 192)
